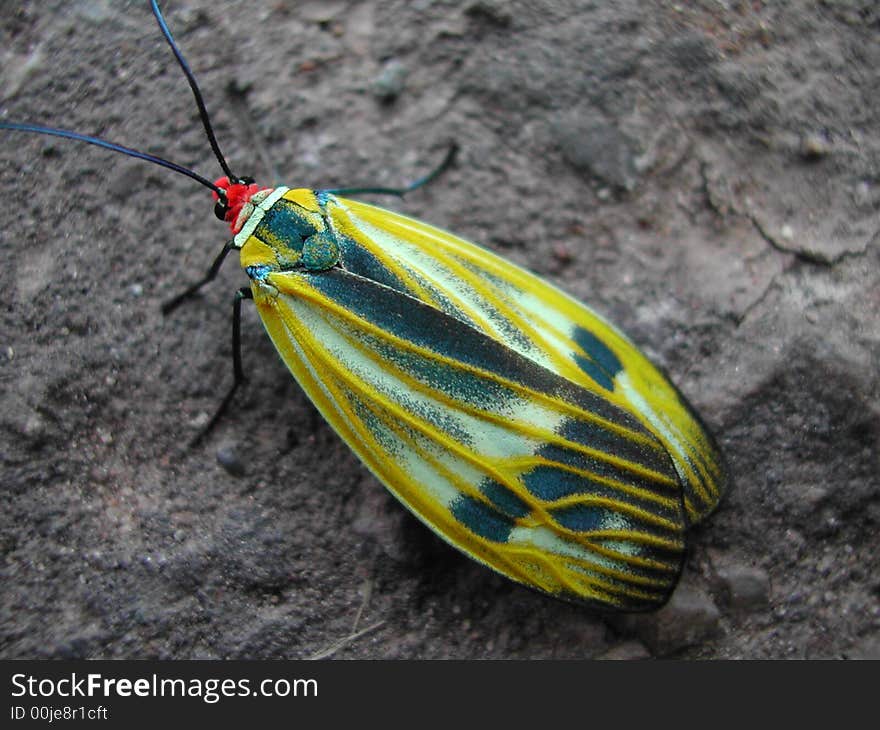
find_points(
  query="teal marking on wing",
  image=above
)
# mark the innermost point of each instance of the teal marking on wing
(481, 519)
(460, 384)
(598, 351)
(581, 518)
(549, 483)
(360, 261)
(599, 376)
(503, 498)
(602, 364)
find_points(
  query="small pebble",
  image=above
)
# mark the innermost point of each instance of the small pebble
(562, 254)
(862, 193)
(597, 148)
(34, 427)
(814, 146)
(746, 587)
(390, 82)
(490, 12)
(228, 459)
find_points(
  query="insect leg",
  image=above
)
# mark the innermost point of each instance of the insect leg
(400, 192)
(238, 370)
(174, 303)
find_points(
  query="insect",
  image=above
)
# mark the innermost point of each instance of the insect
(511, 419)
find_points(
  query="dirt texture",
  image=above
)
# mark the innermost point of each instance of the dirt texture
(706, 174)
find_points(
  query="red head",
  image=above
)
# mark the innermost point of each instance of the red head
(238, 195)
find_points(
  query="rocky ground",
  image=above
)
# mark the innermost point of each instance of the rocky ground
(705, 173)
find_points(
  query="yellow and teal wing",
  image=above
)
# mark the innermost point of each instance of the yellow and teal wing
(526, 471)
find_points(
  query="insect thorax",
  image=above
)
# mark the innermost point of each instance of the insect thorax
(283, 229)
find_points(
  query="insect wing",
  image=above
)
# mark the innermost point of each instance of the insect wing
(520, 468)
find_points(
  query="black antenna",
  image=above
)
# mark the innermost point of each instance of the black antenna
(54, 132)
(200, 102)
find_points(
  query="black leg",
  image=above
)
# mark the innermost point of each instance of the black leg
(400, 192)
(238, 370)
(173, 304)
